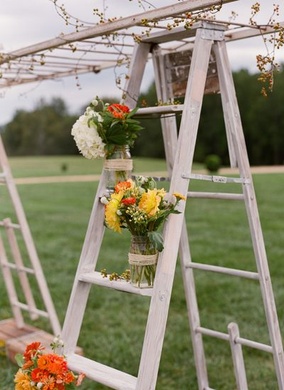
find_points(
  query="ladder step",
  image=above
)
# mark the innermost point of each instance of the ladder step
(216, 179)
(10, 224)
(101, 373)
(95, 277)
(215, 195)
(34, 310)
(238, 340)
(18, 268)
(224, 270)
(159, 110)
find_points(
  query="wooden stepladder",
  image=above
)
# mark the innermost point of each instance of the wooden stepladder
(22, 261)
(209, 40)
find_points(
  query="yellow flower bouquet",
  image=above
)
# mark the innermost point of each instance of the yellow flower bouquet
(141, 208)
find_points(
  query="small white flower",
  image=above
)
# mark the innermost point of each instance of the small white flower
(95, 102)
(39, 385)
(118, 212)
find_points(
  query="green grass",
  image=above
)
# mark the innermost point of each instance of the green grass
(114, 323)
(71, 165)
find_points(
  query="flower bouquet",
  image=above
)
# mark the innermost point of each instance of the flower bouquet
(45, 371)
(108, 131)
(141, 208)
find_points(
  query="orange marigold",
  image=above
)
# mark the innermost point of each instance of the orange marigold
(32, 349)
(119, 111)
(123, 185)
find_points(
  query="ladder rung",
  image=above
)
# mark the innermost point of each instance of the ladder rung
(95, 277)
(18, 268)
(159, 110)
(215, 179)
(215, 195)
(156, 178)
(10, 224)
(23, 306)
(224, 270)
(101, 373)
(238, 340)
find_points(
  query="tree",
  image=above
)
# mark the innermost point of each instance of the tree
(44, 131)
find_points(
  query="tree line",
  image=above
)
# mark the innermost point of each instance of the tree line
(46, 129)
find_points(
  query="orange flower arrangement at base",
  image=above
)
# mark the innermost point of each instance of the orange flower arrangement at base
(44, 371)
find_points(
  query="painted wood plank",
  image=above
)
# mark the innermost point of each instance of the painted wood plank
(101, 373)
(120, 285)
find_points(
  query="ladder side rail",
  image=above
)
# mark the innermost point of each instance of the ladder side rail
(170, 137)
(10, 286)
(87, 263)
(230, 104)
(168, 122)
(158, 311)
(228, 122)
(19, 267)
(136, 71)
(193, 310)
(54, 322)
(238, 359)
(170, 141)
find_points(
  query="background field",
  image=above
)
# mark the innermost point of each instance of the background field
(114, 323)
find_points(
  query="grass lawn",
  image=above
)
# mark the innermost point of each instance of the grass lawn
(114, 323)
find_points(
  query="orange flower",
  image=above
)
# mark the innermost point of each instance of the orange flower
(128, 201)
(122, 186)
(45, 371)
(32, 349)
(119, 111)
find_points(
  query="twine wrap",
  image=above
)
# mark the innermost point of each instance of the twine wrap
(118, 164)
(138, 259)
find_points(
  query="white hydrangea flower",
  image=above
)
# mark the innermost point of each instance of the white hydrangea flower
(87, 138)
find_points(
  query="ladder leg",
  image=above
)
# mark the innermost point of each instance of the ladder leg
(137, 67)
(154, 336)
(193, 311)
(238, 360)
(11, 290)
(22, 275)
(80, 291)
(230, 105)
(31, 249)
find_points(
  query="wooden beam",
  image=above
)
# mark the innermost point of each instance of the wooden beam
(110, 27)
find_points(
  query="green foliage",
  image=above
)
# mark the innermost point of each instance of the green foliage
(213, 163)
(44, 131)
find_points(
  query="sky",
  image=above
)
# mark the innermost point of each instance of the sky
(23, 23)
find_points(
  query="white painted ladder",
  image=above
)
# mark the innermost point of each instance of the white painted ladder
(13, 262)
(209, 40)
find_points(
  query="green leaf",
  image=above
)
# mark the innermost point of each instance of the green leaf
(116, 135)
(19, 359)
(157, 240)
